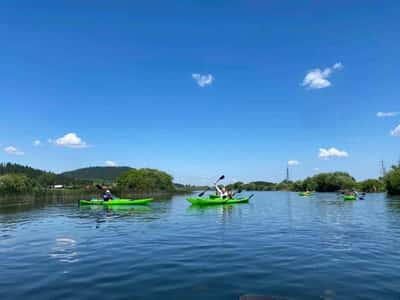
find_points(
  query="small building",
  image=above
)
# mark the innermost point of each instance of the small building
(58, 186)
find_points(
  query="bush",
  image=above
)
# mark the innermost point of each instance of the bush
(392, 181)
(16, 183)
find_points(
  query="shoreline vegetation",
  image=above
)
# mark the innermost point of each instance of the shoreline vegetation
(330, 183)
(17, 179)
(129, 182)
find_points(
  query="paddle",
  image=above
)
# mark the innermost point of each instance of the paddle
(238, 192)
(101, 188)
(219, 179)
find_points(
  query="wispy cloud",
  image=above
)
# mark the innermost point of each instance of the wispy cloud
(11, 150)
(387, 114)
(338, 66)
(36, 143)
(396, 131)
(110, 163)
(318, 79)
(293, 163)
(70, 140)
(203, 80)
(331, 153)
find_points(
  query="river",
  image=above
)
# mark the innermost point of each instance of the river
(279, 244)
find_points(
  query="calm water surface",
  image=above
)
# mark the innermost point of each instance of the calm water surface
(279, 244)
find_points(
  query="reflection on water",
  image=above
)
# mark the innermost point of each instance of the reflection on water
(393, 203)
(102, 214)
(34, 200)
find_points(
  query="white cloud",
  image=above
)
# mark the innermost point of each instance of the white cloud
(338, 66)
(387, 114)
(203, 80)
(13, 151)
(316, 170)
(36, 143)
(110, 163)
(293, 163)
(331, 153)
(396, 131)
(70, 140)
(318, 79)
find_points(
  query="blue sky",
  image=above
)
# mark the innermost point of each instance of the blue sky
(201, 88)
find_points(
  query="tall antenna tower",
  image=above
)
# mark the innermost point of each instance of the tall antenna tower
(287, 173)
(383, 169)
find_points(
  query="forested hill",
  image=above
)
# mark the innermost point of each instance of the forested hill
(97, 173)
(40, 177)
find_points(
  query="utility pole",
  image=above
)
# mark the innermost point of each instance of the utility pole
(383, 169)
(287, 173)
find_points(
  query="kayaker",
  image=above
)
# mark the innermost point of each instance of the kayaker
(223, 192)
(107, 195)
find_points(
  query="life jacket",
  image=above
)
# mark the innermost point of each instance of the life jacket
(107, 196)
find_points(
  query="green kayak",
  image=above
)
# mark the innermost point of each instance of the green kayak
(209, 201)
(306, 194)
(116, 202)
(349, 197)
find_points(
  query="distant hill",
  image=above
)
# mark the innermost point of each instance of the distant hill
(97, 173)
(42, 177)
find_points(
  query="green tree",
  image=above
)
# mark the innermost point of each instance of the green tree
(298, 186)
(16, 183)
(392, 180)
(309, 184)
(371, 186)
(285, 186)
(145, 181)
(236, 186)
(329, 182)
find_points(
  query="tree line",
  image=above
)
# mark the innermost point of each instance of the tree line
(329, 182)
(15, 178)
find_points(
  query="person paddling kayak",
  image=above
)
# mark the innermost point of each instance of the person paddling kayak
(223, 192)
(107, 195)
